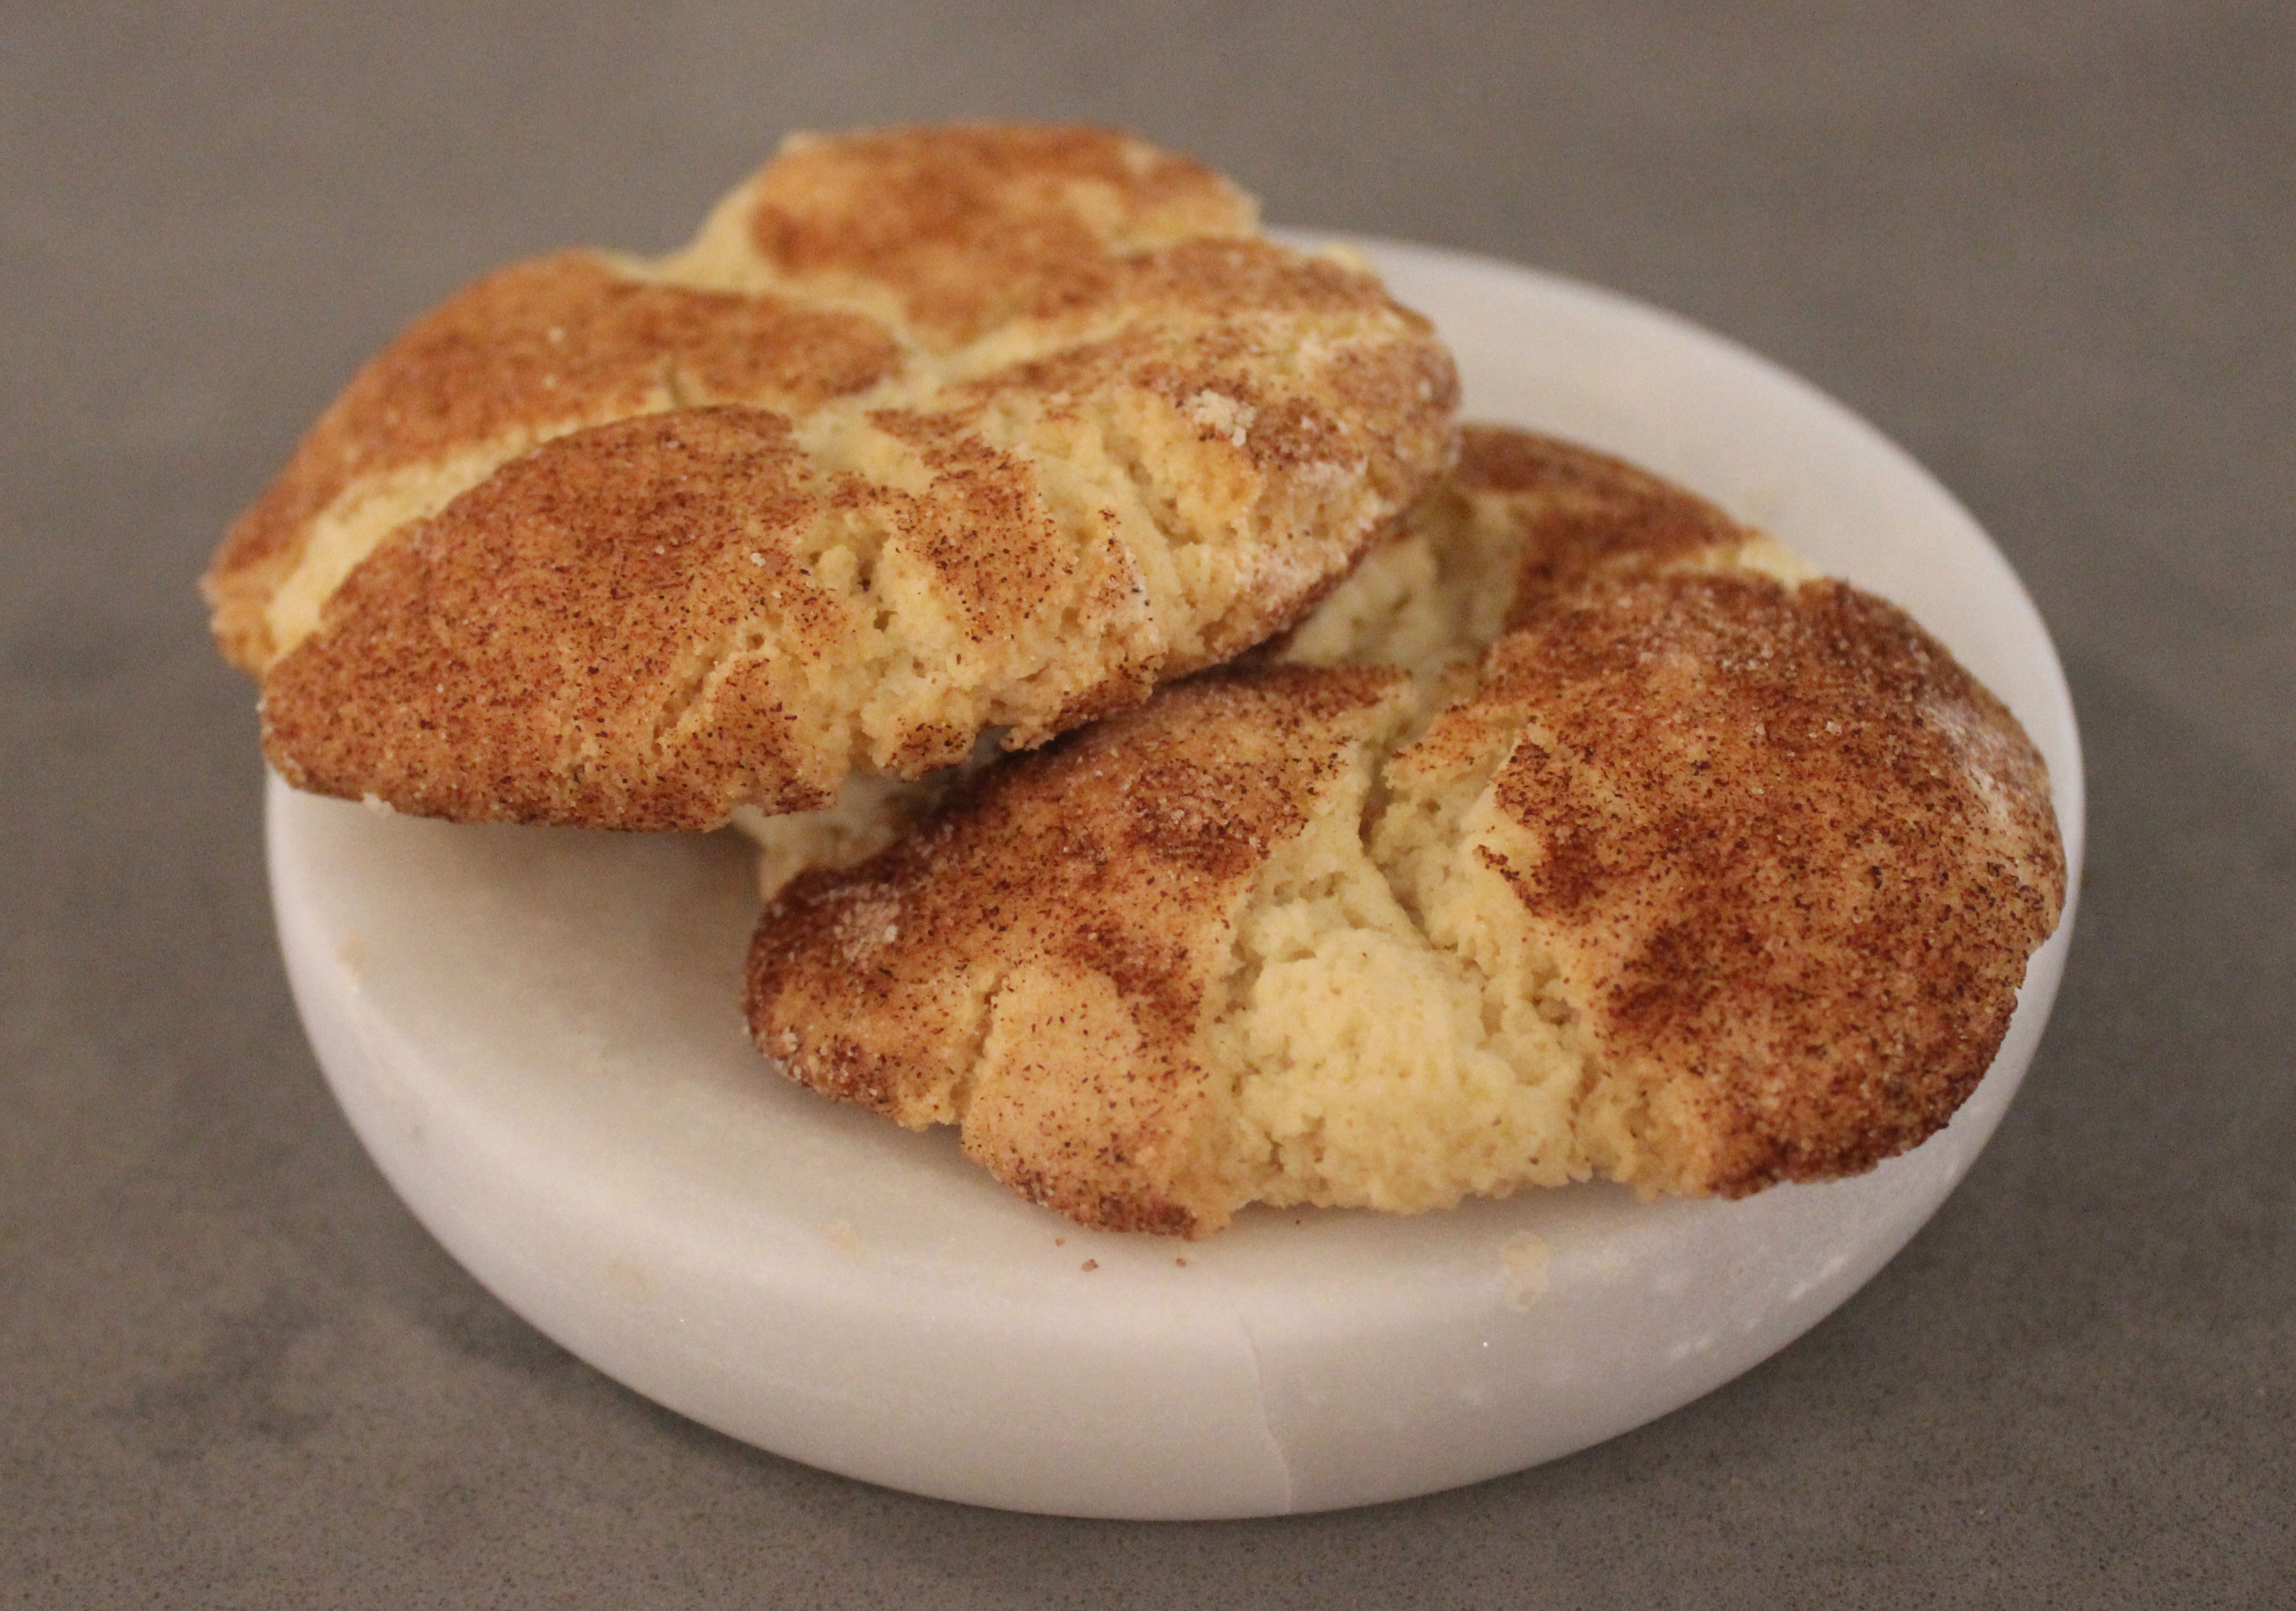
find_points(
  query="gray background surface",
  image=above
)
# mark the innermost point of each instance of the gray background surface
(2050, 249)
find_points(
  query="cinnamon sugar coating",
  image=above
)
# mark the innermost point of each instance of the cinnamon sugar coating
(1702, 876)
(963, 229)
(1786, 858)
(929, 431)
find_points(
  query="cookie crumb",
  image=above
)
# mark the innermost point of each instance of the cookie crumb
(1524, 1259)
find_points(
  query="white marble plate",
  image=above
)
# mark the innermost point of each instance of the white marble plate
(537, 1034)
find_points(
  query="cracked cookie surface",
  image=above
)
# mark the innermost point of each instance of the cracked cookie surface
(1519, 515)
(928, 432)
(1706, 874)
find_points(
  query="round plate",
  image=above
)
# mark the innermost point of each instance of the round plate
(536, 1033)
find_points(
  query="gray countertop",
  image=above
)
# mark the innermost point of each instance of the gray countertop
(2051, 250)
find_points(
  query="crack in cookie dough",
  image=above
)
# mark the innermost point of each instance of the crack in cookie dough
(1519, 515)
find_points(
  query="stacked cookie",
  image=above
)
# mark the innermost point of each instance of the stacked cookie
(929, 432)
(1526, 819)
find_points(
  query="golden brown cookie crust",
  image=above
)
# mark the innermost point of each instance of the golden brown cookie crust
(1054, 425)
(1789, 858)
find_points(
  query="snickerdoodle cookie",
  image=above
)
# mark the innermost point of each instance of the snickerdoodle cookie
(929, 432)
(1707, 874)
